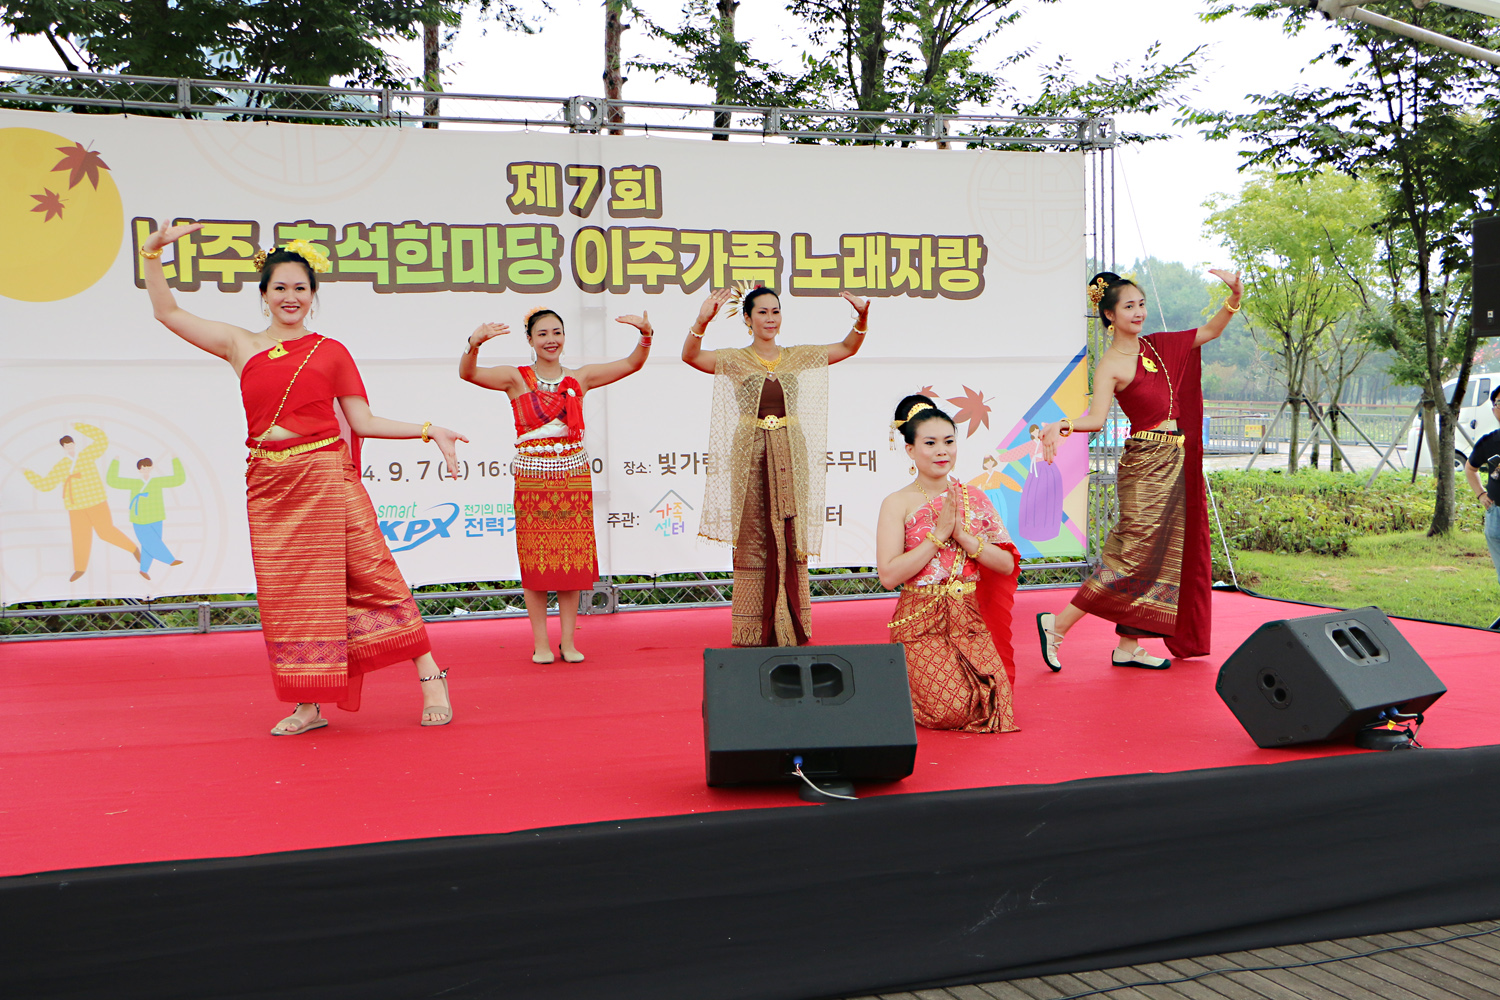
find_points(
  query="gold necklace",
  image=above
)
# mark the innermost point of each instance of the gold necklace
(1146, 362)
(1112, 347)
(279, 351)
(769, 366)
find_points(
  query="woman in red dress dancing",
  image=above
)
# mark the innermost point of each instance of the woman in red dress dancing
(554, 490)
(333, 605)
(1154, 573)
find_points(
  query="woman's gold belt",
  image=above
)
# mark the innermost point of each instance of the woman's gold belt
(951, 587)
(296, 449)
(1177, 437)
(770, 423)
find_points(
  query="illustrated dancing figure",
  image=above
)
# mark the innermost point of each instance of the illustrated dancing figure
(942, 542)
(767, 453)
(83, 496)
(554, 497)
(333, 605)
(1154, 574)
(148, 512)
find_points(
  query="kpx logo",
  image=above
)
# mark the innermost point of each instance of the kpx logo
(419, 530)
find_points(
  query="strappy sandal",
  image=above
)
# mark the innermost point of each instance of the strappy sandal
(293, 726)
(446, 710)
(1050, 640)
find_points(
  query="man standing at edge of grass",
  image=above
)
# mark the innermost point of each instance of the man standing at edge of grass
(1486, 455)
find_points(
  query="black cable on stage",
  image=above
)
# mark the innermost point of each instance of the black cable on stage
(1269, 968)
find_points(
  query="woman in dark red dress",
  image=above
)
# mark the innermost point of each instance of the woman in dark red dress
(1154, 573)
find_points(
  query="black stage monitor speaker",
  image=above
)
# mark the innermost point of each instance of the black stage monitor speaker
(1486, 295)
(845, 710)
(1324, 677)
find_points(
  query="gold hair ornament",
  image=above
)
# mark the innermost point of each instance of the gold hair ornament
(1097, 290)
(315, 258)
(740, 289)
(896, 425)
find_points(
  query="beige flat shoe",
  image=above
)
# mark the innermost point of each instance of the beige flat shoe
(537, 658)
(577, 657)
(293, 726)
(1050, 640)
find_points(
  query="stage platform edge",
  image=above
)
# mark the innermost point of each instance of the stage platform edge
(892, 892)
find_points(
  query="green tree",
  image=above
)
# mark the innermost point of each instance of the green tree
(1421, 120)
(1297, 240)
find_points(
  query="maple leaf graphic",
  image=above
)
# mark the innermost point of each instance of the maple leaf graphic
(80, 163)
(971, 408)
(927, 391)
(49, 203)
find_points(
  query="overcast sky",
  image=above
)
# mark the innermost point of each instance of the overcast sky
(1167, 181)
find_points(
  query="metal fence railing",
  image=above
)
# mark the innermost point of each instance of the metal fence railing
(218, 614)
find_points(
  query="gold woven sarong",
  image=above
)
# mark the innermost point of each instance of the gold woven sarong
(772, 599)
(956, 676)
(1140, 567)
(333, 605)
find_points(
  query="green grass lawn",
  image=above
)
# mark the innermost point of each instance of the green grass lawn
(1404, 573)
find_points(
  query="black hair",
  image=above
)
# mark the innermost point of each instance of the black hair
(280, 256)
(531, 320)
(1113, 286)
(144, 461)
(65, 440)
(1495, 396)
(924, 410)
(748, 302)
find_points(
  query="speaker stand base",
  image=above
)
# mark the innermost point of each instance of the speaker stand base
(1384, 739)
(833, 786)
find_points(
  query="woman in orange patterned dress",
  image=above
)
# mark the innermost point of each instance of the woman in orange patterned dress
(554, 490)
(333, 605)
(943, 544)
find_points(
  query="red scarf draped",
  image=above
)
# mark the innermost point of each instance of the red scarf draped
(539, 407)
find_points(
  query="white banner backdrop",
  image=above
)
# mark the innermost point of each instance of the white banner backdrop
(973, 260)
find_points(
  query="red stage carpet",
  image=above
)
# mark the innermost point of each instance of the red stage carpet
(135, 749)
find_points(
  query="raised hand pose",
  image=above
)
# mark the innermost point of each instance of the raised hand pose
(554, 499)
(333, 605)
(944, 545)
(1154, 574)
(766, 469)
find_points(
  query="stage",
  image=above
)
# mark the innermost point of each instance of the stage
(493, 857)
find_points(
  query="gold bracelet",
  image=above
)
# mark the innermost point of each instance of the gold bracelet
(856, 329)
(693, 333)
(152, 254)
(1065, 431)
(1233, 309)
(425, 428)
(980, 549)
(932, 537)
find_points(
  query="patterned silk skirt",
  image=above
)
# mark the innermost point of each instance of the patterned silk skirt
(555, 531)
(333, 605)
(956, 676)
(1140, 567)
(771, 590)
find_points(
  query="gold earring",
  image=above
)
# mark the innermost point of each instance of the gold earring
(1110, 329)
(265, 310)
(912, 471)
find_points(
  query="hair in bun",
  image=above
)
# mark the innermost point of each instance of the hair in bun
(1104, 292)
(912, 412)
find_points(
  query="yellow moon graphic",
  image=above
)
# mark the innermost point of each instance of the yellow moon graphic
(60, 238)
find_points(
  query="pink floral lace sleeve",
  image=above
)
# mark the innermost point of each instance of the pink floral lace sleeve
(981, 520)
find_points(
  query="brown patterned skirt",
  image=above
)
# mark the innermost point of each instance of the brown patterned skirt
(555, 531)
(333, 605)
(771, 590)
(956, 676)
(1140, 568)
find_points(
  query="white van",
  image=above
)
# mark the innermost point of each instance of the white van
(1476, 420)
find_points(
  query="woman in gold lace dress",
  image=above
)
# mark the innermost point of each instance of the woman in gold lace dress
(767, 447)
